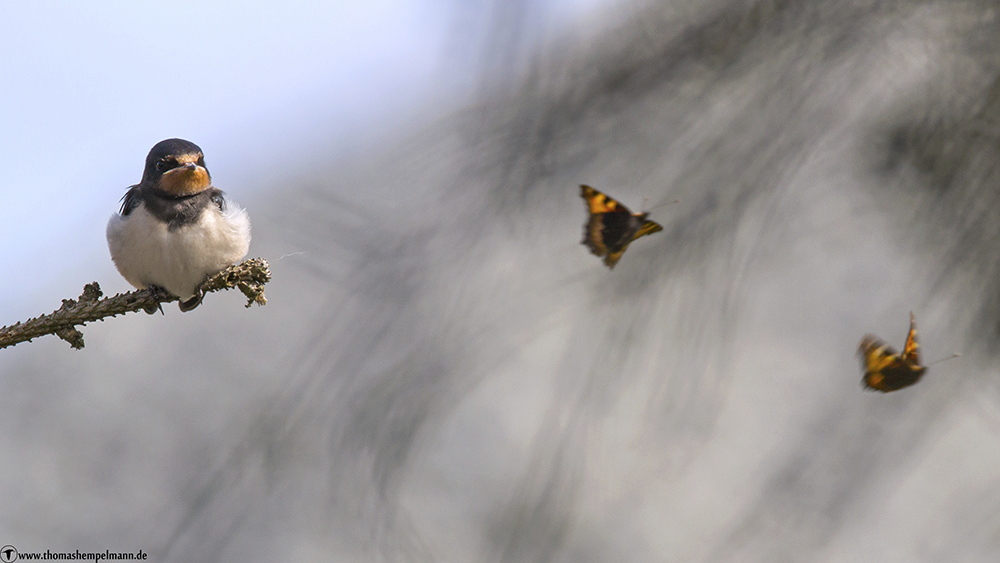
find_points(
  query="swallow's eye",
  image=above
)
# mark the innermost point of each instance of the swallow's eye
(161, 165)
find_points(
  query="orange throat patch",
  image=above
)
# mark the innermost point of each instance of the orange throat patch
(185, 181)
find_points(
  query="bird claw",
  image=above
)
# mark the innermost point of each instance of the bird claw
(186, 306)
(157, 293)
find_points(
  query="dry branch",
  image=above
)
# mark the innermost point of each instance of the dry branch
(249, 276)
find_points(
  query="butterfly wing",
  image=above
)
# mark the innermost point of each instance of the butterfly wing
(911, 350)
(598, 202)
(611, 226)
(612, 258)
(626, 230)
(607, 226)
(876, 358)
(648, 228)
(596, 205)
(884, 369)
(592, 235)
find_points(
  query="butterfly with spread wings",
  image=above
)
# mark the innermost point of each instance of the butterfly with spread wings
(611, 226)
(886, 370)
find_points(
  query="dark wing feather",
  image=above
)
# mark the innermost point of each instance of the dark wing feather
(131, 200)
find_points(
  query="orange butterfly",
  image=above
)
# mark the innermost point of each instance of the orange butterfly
(611, 226)
(885, 370)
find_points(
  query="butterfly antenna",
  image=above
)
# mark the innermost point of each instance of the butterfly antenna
(662, 204)
(943, 360)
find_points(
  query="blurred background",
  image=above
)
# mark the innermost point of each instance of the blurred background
(442, 372)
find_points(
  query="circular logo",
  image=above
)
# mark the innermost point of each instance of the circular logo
(8, 554)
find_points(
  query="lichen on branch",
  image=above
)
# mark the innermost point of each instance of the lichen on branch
(248, 276)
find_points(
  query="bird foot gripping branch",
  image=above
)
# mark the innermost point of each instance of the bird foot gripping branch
(249, 277)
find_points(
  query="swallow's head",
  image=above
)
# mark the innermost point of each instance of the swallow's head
(176, 168)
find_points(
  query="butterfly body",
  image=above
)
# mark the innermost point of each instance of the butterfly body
(885, 369)
(611, 227)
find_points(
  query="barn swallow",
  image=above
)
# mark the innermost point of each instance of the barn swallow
(174, 228)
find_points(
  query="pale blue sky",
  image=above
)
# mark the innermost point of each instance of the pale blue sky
(88, 89)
